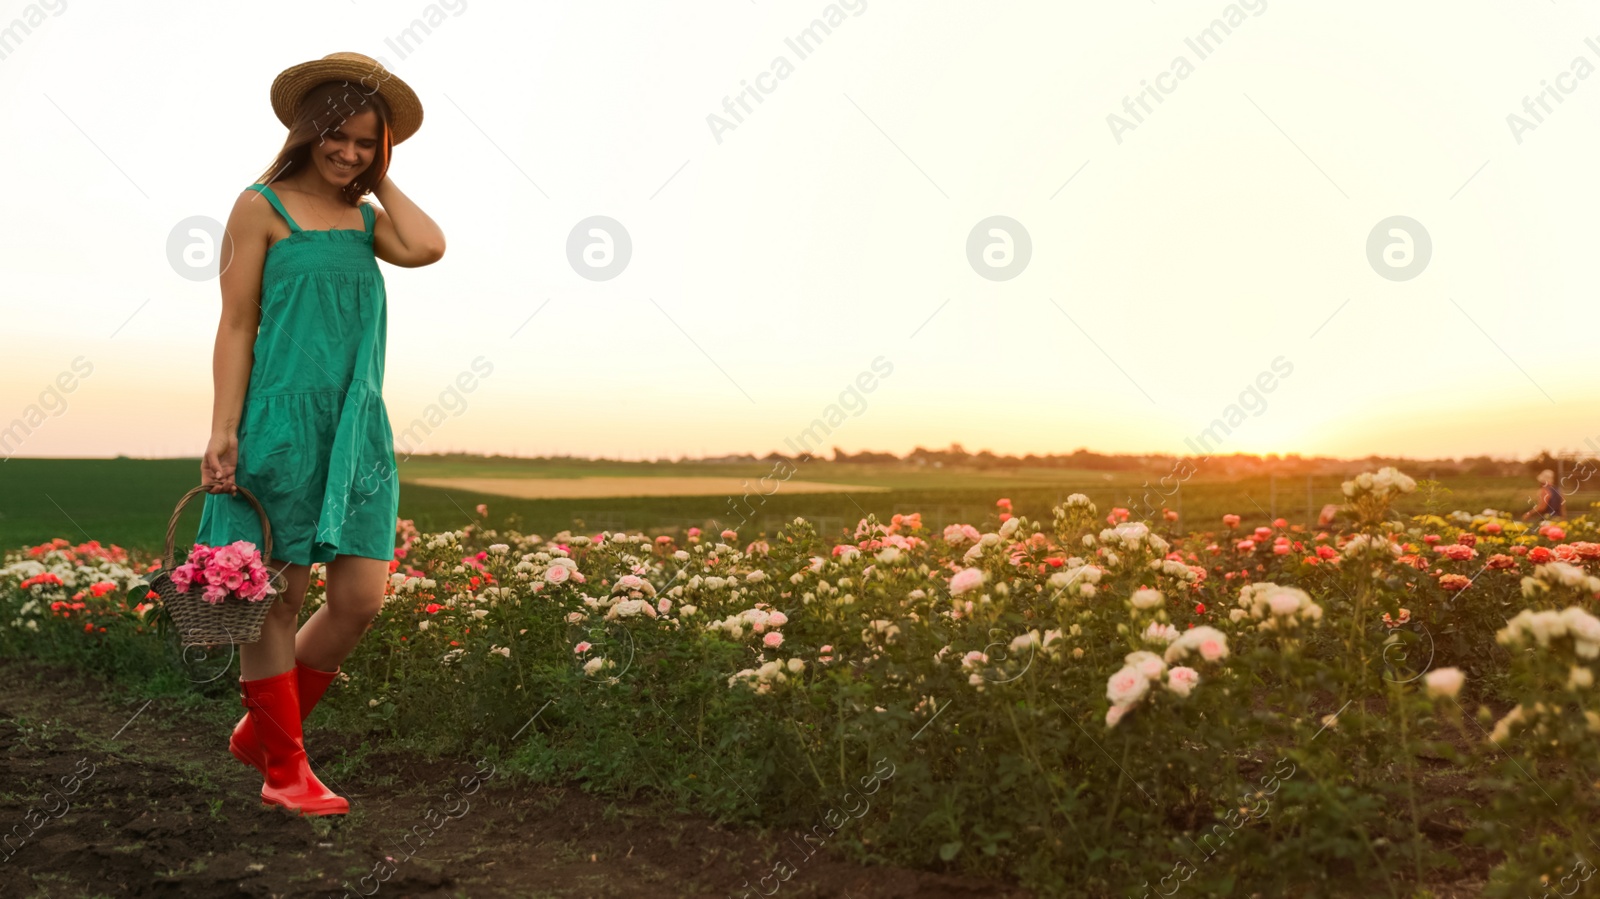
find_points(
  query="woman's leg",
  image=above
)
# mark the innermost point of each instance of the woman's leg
(274, 652)
(355, 594)
(268, 679)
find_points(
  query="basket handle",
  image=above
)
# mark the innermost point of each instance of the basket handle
(266, 526)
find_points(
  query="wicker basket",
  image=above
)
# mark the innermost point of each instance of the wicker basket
(234, 620)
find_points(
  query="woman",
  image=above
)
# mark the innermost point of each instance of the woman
(1551, 503)
(298, 417)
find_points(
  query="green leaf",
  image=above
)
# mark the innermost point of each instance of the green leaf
(948, 850)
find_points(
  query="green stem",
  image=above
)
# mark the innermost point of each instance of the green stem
(840, 732)
(1029, 753)
(1122, 773)
(813, 765)
(1411, 782)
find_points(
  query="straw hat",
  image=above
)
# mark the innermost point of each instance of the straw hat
(364, 74)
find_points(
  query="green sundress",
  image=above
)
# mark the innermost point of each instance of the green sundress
(315, 445)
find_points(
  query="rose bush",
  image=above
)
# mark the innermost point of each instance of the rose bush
(1081, 703)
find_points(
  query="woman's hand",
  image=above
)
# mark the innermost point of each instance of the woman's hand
(219, 462)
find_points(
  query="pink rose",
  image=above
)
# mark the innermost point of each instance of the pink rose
(556, 574)
(227, 557)
(964, 580)
(582, 648)
(772, 640)
(777, 619)
(1181, 680)
(957, 534)
(1127, 686)
(215, 594)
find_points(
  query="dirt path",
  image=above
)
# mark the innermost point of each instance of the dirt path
(596, 488)
(154, 807)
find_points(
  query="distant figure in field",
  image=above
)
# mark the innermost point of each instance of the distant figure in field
(1551, 503)
(1330, 512)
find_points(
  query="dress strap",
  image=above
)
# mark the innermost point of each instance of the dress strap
(277, 204)
(368, 216)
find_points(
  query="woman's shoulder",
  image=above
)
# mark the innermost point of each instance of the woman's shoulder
(254, 198)
(253, 217)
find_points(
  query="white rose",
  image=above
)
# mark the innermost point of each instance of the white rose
(1147, 598)
(1127, 686)
(1284, 601)
(1444, 682)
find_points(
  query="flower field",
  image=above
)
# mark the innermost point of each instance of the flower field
(1088, 704)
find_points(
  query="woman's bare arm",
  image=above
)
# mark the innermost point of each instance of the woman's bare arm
(243, 253)
(403, 234)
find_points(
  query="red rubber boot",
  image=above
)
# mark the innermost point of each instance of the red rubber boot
(274, 707)
(311, 684)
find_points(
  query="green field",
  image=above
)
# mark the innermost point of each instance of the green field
(128, 501)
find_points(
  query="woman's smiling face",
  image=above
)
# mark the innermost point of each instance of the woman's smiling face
(347, 148)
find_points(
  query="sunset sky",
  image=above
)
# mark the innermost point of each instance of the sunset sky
(1173, 259)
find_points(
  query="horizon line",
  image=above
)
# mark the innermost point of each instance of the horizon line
(954, 449)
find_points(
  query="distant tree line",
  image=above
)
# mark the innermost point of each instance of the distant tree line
(1234, 465)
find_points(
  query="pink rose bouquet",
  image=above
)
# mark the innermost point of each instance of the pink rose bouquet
(232, 570)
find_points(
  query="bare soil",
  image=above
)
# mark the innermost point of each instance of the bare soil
(592, 488)
(159, 809)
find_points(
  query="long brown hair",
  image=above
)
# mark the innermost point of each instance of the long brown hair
(325, 108)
